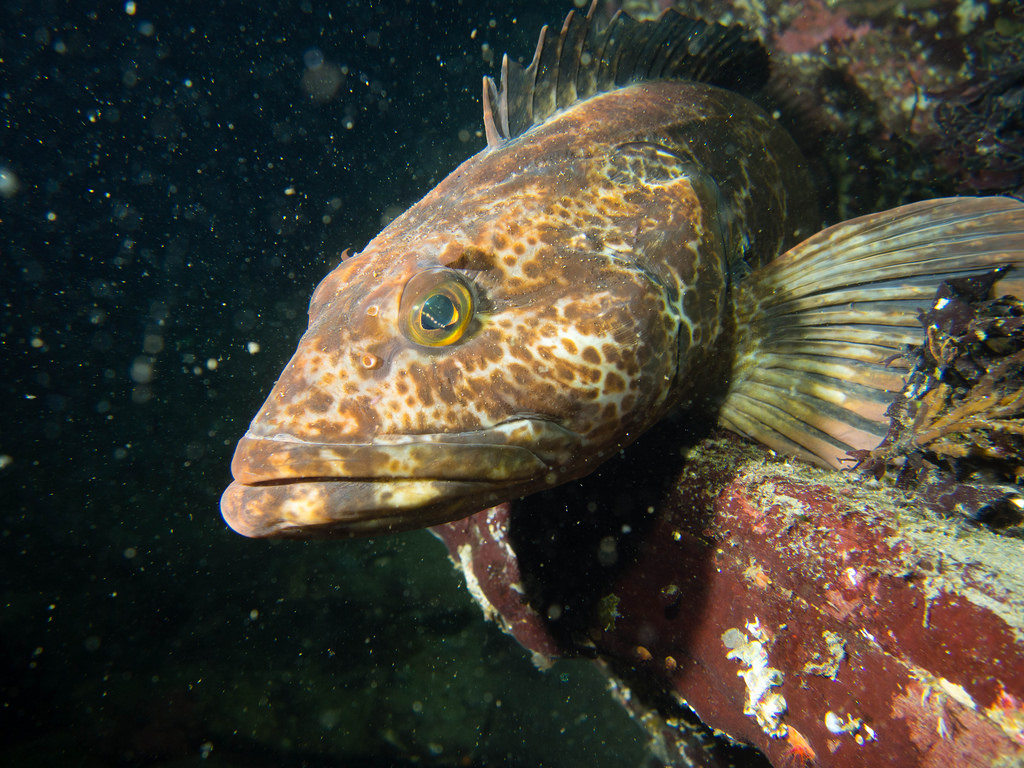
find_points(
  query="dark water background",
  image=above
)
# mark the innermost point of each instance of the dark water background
(171, 194)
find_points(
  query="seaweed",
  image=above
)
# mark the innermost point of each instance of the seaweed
(981, 132)
(957, 429)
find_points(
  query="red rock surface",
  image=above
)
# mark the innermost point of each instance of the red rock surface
(479, 546)
(894, 636)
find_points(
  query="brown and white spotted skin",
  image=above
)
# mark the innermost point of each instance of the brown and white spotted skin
(592, 255)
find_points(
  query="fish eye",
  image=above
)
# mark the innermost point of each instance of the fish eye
(436, 307)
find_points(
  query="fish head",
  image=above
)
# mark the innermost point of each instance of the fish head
(443, 373)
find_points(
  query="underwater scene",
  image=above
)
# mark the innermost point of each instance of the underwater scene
(655, 401)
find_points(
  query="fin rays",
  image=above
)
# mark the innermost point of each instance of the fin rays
(583, 60)
(820, 329)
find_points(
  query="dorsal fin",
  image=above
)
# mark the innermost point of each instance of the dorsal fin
(583, 60)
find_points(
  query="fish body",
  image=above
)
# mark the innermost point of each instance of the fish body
(551, 299)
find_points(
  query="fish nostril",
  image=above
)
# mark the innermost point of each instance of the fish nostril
(370, 361)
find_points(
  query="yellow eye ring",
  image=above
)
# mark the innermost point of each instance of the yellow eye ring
(436, 307)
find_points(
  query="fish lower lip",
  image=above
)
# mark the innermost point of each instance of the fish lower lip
(348, 508)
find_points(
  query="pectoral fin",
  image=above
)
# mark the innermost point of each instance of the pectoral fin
(821, 328)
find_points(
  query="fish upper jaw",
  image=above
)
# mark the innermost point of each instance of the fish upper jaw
(288, 487)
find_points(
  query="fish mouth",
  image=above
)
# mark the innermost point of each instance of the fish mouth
(284, 486)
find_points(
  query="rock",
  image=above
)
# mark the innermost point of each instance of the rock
(825, 618)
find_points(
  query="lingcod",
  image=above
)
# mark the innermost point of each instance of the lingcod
(636, 239)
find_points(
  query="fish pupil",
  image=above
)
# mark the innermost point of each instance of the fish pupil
(438, 312)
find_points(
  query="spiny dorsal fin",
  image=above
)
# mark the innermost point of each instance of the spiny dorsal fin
(583, 60)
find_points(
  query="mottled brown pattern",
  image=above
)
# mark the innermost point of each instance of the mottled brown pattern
(599, 246)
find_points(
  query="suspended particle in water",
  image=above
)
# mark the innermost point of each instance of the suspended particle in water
(9, 182)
